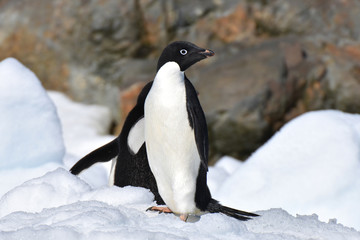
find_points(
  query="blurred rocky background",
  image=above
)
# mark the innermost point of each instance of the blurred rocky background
(275, 59)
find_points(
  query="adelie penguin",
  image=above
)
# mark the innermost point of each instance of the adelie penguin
(130, 165)
(163, 145)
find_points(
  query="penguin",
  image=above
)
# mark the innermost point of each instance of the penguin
(163, 145)
(176, 136)
(130, 165)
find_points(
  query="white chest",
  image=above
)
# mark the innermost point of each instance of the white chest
(170, 141)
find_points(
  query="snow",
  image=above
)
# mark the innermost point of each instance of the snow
(119, 213)
(30, 128)
(312, 165)
(82, 116)
(74, 210)
(306, 172)
(28, 119)
(84, 129)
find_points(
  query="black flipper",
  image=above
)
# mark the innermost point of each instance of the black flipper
(215, 207)
(197, 121)
(102, 154)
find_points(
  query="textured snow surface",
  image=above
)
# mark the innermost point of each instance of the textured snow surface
(308, 169)
(59, 205)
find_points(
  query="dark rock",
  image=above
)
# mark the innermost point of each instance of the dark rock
(250, 95)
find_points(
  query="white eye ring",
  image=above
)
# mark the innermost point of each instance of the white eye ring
(183, 52)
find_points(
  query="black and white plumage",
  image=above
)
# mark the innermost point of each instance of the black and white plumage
(173, 161)
(130, 164)
(176, 135)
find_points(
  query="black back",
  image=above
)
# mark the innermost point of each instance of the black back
(133, 169)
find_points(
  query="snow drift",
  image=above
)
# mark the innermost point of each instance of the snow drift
(312, 165)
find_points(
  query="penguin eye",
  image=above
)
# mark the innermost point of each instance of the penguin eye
(183, 51)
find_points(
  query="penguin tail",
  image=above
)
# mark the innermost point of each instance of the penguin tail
(102, 154)
(215, 207)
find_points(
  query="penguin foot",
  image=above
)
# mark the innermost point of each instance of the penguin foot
(184, 217)
(160, 209)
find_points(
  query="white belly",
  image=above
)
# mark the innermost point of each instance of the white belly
(170, 143)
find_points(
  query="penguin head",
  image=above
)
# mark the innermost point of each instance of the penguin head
(184, 54)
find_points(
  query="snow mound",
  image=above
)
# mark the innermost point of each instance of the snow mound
(60, 205)
(312, 165)
(59, 187)
(29, 125)
(51, 190)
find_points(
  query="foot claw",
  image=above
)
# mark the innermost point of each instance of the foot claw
(184, 217)
(149, 209)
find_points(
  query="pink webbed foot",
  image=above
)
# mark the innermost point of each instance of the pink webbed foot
(159, 209)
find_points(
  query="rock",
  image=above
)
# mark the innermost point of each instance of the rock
(250, 95)
(344, 83)
(325, 21)
(235, 26)
(274, 59)
(128, 101)
(75, 47)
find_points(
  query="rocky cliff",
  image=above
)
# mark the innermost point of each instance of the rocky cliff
(274, 59)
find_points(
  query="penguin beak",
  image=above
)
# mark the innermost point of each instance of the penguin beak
(207, 53)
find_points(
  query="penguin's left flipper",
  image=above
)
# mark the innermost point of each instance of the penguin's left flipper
(102, 154)
(197, 122)
(215, 207)
(111, 150)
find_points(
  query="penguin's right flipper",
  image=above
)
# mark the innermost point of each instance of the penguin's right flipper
(102, 154)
